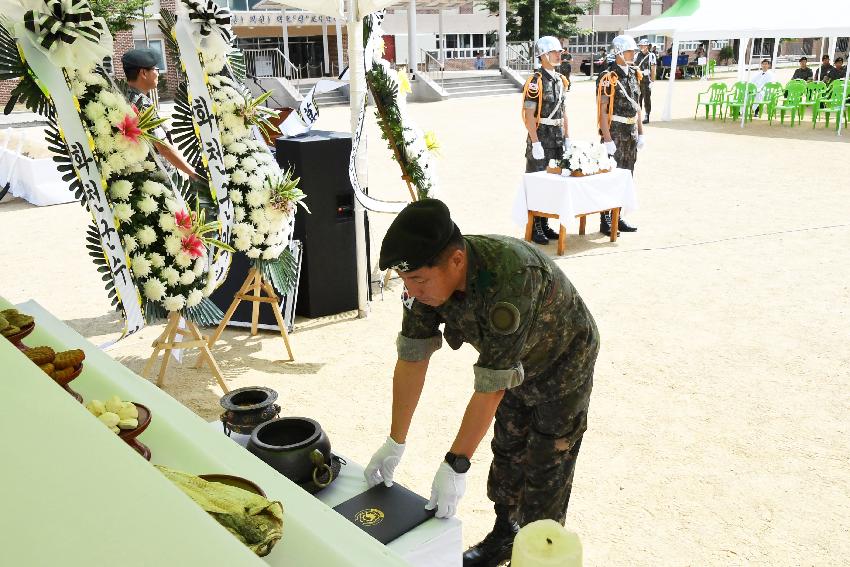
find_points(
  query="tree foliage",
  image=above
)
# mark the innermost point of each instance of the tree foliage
(119, 15)
(557, 17)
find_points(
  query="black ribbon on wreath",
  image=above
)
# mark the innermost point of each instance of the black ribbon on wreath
(63, 21)
(210, 17)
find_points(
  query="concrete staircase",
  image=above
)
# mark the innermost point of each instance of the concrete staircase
(486, 85)
(333, 98)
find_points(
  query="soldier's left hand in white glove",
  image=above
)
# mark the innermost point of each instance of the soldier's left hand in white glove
(567, 144)
(446, 490)
(641, 141)
(651, 84)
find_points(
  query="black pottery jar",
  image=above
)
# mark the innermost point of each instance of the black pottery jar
(246, 408)
(296, 447)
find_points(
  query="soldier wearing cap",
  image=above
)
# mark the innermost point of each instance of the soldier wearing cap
(545, 118)
(537, 344)
(619, 114)
(645, 61)
(141, 66)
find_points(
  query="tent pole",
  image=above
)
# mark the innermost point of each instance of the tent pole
(536, 21)
(742, 55)
(843, 104)
(357, 92)
(503, 34)
(775, 53)
(832, 41)
(674, 56)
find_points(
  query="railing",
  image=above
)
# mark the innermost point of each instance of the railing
(261, 63)
(516, 60)
(431, 62)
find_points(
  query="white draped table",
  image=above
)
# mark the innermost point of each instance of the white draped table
(565, 198)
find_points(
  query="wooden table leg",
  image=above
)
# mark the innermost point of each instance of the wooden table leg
(582, 224)
(562, 238)
(528, 226)
(615, 223)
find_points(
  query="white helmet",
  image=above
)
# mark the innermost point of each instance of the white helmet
(548, 43)
(623, 43)
(643, 42)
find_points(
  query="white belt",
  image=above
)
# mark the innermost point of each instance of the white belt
(552, 121)
(623, 119)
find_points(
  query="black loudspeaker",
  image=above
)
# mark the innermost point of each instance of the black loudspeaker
(328, 282)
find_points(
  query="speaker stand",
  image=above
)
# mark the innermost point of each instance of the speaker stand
(255, 282)
(166, 342)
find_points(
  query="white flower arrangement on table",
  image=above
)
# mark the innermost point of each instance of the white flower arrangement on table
(588, 158)
(165, 243)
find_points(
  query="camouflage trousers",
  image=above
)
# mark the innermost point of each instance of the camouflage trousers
(625, 138)
(552, 140)
(534, 453)
(645, 95)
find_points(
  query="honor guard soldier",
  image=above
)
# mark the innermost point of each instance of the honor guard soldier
(545, 117)
(537, 344)
(619, 114)
(646, 63)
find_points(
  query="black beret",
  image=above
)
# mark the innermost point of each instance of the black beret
(144, 58)
(417, 235)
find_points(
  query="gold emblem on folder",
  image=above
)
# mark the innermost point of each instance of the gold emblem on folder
(369, 517)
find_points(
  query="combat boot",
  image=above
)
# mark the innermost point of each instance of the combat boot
(646, 120)
(548, 231)
(537, 234)
(625, 227)
(497, 546)
(605, 224)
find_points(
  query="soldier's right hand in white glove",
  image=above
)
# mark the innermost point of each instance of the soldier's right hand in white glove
(383, 463)
(610, 147)
(537, 150)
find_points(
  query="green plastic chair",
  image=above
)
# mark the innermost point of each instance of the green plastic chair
(735, 100)
(711, 65)
(716, 98)
(833, 104)
(815, 91)
(770, 98)
(796, 89)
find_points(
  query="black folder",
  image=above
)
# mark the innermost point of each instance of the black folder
(386, 513)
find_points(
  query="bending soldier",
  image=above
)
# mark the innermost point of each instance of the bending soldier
(545, 118)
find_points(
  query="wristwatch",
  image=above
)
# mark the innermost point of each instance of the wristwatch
(459, 463)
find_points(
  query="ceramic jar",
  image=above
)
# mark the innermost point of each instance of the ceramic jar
(296, 447)
(246, 408)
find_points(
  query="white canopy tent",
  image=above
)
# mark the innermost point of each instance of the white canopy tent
(744, 20)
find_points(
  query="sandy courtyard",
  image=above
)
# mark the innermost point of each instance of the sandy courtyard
(719, 419)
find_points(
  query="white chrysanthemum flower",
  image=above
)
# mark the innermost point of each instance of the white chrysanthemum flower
(258, 238)
(194, 298)
(242, 244)
(146, 236)
(183, 259)
(116, 161)
(173, 244)
(227, 139)
(106, 171)
(258, 215)
(115, 116)
(174, 302)
(157, 260)
(93, 79)
(149, 166)
(238, 214)
(153, 188)
(172, 205)
(235, 196)
(95, 110)
(200, 266)
(254, 199)
(141, 266)
(167, 221)
(249, 164)
(120, 190)
(170, 275)
(135, 167)
(242, 230)
(263, 226)
(210, 287)
(237, 148)
(253, 253)
(187, 277)
(130, 243)
(239, 176)
(268, 254)
(107, 98)
(122, 211)
(147, 205)
(230, 161)
(255, 183)
(154, 289)
(79, 89)
(104, 141)
(263, 157)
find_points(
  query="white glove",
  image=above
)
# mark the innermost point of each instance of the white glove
(383, 463)
(641, 141)
(610, 147)
(446, 490)
(537, 150)
(567, 144)
(651, 83)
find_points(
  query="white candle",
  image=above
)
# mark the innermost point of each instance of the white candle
(546, 543)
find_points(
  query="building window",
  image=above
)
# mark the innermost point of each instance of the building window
(588, 43)
(156, 45)
(466, 45)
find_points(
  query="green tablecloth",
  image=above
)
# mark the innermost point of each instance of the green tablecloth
(75, 494)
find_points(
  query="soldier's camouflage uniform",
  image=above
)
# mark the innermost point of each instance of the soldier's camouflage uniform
(142, 103)
(624, 135)
(551, 108)
(536, 340)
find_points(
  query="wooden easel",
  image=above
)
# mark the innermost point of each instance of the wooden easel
(255, 283)
(166, 343)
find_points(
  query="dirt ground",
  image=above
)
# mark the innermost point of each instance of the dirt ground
(719, 419)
